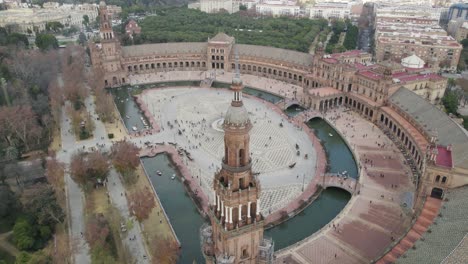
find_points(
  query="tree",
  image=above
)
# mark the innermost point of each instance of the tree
(54, 172)
(23, 233)
(82, 38)
(19, 126)
(9, 206)
(46, 42)
(164, 251)
(40, 201)
(88, 168)
(86, 20)
(23, 258)
(141, 203)
(125, 157)
(450, 102)
(97, 231)
(55, 26)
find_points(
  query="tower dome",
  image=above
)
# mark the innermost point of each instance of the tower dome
(236, 116)
(236, 80)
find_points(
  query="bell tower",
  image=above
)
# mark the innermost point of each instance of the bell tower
(236, 221)
(109, 50)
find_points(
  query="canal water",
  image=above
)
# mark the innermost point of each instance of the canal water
(339, 156)
(180, 209)
(294, 110)
(272, 98)
(319, 213)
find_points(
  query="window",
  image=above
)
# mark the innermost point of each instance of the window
(444, 180)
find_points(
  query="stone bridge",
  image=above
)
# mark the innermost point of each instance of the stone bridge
(305, 116)
(348, 184)
(286, 102)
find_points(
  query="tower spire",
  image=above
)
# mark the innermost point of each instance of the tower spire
(237, 63)
(237, 85)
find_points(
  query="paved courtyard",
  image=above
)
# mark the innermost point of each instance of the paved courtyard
(195, 111)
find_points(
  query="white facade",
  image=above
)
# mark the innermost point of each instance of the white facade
(329, 10)
(422, 11)
(23, 19)
(413, 61)
(215, 6)
(278, 8)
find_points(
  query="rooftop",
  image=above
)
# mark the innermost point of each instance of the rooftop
(434, 122)
(448, 238)
(444, 157)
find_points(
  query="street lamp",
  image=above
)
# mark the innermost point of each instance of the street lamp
(303, 179)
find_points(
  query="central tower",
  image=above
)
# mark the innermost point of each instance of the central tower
(236, 232)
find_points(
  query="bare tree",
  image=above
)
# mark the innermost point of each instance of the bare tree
(125, 157)
(164, 251)
(141, 203)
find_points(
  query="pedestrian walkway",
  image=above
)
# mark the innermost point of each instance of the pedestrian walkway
(425, 219)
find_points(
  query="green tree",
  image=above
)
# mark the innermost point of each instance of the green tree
(86, 20)
(82, 38)
(55, 26)
(351, 38)
(23, 258)
(450, 102)
(24, 233)
(46, 42)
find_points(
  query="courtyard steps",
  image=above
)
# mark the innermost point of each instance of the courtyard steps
(422, 224)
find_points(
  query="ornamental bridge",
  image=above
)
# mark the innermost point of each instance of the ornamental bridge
(346, 183)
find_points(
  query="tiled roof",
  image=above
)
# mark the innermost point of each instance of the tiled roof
(435, 122)
(447, 239)
(164, 49)
(291, 56)
(444, 157)
(222, 37)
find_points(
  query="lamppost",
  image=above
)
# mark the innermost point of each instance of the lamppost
(303, 180)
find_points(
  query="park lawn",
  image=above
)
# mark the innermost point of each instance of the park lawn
(97, 202)
(117, 128)
(56, 144)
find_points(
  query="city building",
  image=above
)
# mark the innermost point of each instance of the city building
(456, 21)
(132, 28)
(249, 4)
(396, 97)
(278, 8)
(114, 10)
(216, 6)
(331, 10)
(30, 20)
(400, 33)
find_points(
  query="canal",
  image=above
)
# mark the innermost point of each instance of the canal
(339, 156)
(180, 209)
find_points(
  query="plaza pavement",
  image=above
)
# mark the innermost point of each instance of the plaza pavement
(192, 112)
(373, 218)
(270, 85)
